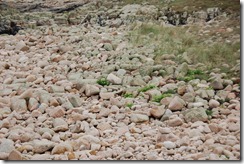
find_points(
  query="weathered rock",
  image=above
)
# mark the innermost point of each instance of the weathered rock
(114, 79)
(158, 112)
(6, 146)
(56, 89)
(169, 144)
(18, 105)
(138, 118)
(137, 81)
(21, 46)
(15, 155)
(61, 148)
(213, 103)
(106, 95)
(176, 104)
(59, 125)
(166, 115)
(91, 90)
(175, 122)
(43, 145)
(75, 100)
(56, 112)
(195, 114)
(217, 84)
(26, 94)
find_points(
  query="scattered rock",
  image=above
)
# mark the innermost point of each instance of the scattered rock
(195, 114)
(176, 104)
(138, 118)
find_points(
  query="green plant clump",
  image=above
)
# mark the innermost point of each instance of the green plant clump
(129, 105)
(194, 74)
(160, 97)
(146, 88)
(209, 112)
(128, 95)
(103, 81)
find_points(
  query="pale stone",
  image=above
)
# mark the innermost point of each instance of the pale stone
(176, 104)
(114, 79)
(138, 118)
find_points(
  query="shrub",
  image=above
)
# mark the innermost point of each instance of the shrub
(146, 88)
(103, 81)
(128, 95)
(160, 97)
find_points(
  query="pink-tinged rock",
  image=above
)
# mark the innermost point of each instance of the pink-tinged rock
(213, 103)
(53, 102)
(62, 148)
(18, 105)
(166, 100)
(214, 127)
(122, 130)
(27, 94)
(104, 126)
(157, 112)
(114, 79)
(32, 104)
(56, 112)
(175, 122)
(60, 124)
(91, 90)
(238, 106)
(231, 95)
(21, 46)
(41, 146)
(15, 155)
(176, 104)
(30, 78)
(106, 95)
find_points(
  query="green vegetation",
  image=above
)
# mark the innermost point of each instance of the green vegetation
(170, 91)
(194, 74)
(146, 88)
(209, 113)
(128, 95)
(129, 105)
(229, 6)
(103, 81)
(177, 40)
(160, 97)
(194, 5)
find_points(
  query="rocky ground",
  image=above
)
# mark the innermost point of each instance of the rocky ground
(73, 86)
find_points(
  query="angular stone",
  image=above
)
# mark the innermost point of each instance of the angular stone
(166, 115)
(21, 46)
(195, 114)
(106, 95)
(176, 104)
(43, 145)
(26, 94)
(15, 155)
(61, 148)
(158, 112)
(56, 112)
(169, 144)
(18, 105)
(114, 79)
(75, 100)
(175, 122)
(6, 146)
(30, 78)
(138, 118)
(213, 103)
(91, 90)
(60, 125)
(217, 84)
(56, 89)
(137, 81)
